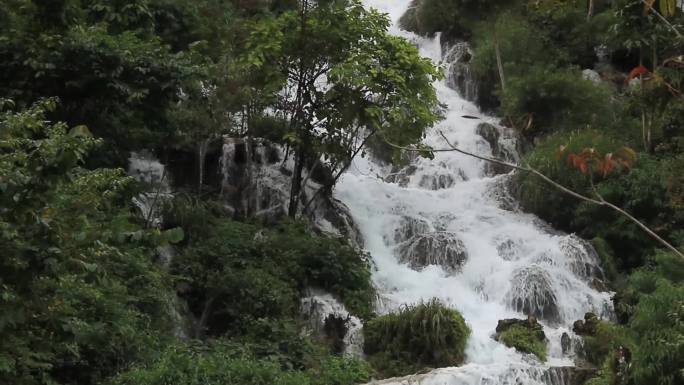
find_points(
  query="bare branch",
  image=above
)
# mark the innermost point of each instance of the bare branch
(527, 168)
(663, 19)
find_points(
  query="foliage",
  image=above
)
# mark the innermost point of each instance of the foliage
(657, 323)
(80, 295)
(241, 277)
(327, 262)
(643, 192)
(606, 340)
(547, 99)
(523, 339)
(417, 337)
(539, 197)
(652, 336)
(452, 17)
(376, 84)
(218, 363)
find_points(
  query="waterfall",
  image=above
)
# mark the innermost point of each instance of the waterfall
(144, 167)
(447, 230)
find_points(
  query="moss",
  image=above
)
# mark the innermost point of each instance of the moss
(524, 340)
(417, 337)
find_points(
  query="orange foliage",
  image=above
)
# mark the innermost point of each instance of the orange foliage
(591, 160)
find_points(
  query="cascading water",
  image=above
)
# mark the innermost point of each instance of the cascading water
(444, 232)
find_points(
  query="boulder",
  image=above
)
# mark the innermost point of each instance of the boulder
(402, 177)
(526, 336)
(586, 327)
(408, 228)
(530, 324)
(504, 145)
(566, 343)
(582, 258)
(459, 75)
(440, 248)
(532, 293)
(437, 181)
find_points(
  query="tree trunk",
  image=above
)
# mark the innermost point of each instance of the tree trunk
(590, 11)
(296, 186)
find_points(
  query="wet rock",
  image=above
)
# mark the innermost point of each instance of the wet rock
(583, 259)
(329, 319)
(503, 143)
(459, 73)
(532, 293)
(402, 177)
(586, 327)
(566, 343)
(407, 229)
(599, 285)
(491, 134)
(332, 216)
(568, 375)
(530, 323)
(437, 181)
(444, 249)
(501, 192)
(526, 336)
(508, 249)
(335, 327)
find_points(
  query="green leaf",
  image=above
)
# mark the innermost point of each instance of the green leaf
(174, 235)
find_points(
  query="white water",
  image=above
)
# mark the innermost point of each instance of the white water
(511, 255)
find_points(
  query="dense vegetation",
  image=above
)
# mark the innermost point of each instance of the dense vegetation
(427, 335)
(615, 134)
(86, 295)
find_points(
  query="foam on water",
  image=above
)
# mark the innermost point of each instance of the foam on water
(514, 264)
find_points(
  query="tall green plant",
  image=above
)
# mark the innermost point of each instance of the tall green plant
(425, 335)
(81, 297)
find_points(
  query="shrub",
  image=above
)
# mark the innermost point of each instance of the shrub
(416, 337)
(606, 339)
(241, 275)
(555, 99)
(544, 200)
(328, 262)
(565, 24)
(658, 329)
(222, 363)
(644, 193)
(523, 339)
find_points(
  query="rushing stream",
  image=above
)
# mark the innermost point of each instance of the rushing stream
(444, 230)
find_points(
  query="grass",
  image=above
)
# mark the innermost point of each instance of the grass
(416, 337)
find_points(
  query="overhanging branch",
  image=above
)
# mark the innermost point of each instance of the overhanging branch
(600, 201)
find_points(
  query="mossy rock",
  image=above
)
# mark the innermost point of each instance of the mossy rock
(428, 335)
(586, 327)
(526, 336)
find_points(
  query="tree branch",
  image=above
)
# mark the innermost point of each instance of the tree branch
(600, 201)
(663, 19)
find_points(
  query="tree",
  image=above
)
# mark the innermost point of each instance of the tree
(344, 79)
(80, 296)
